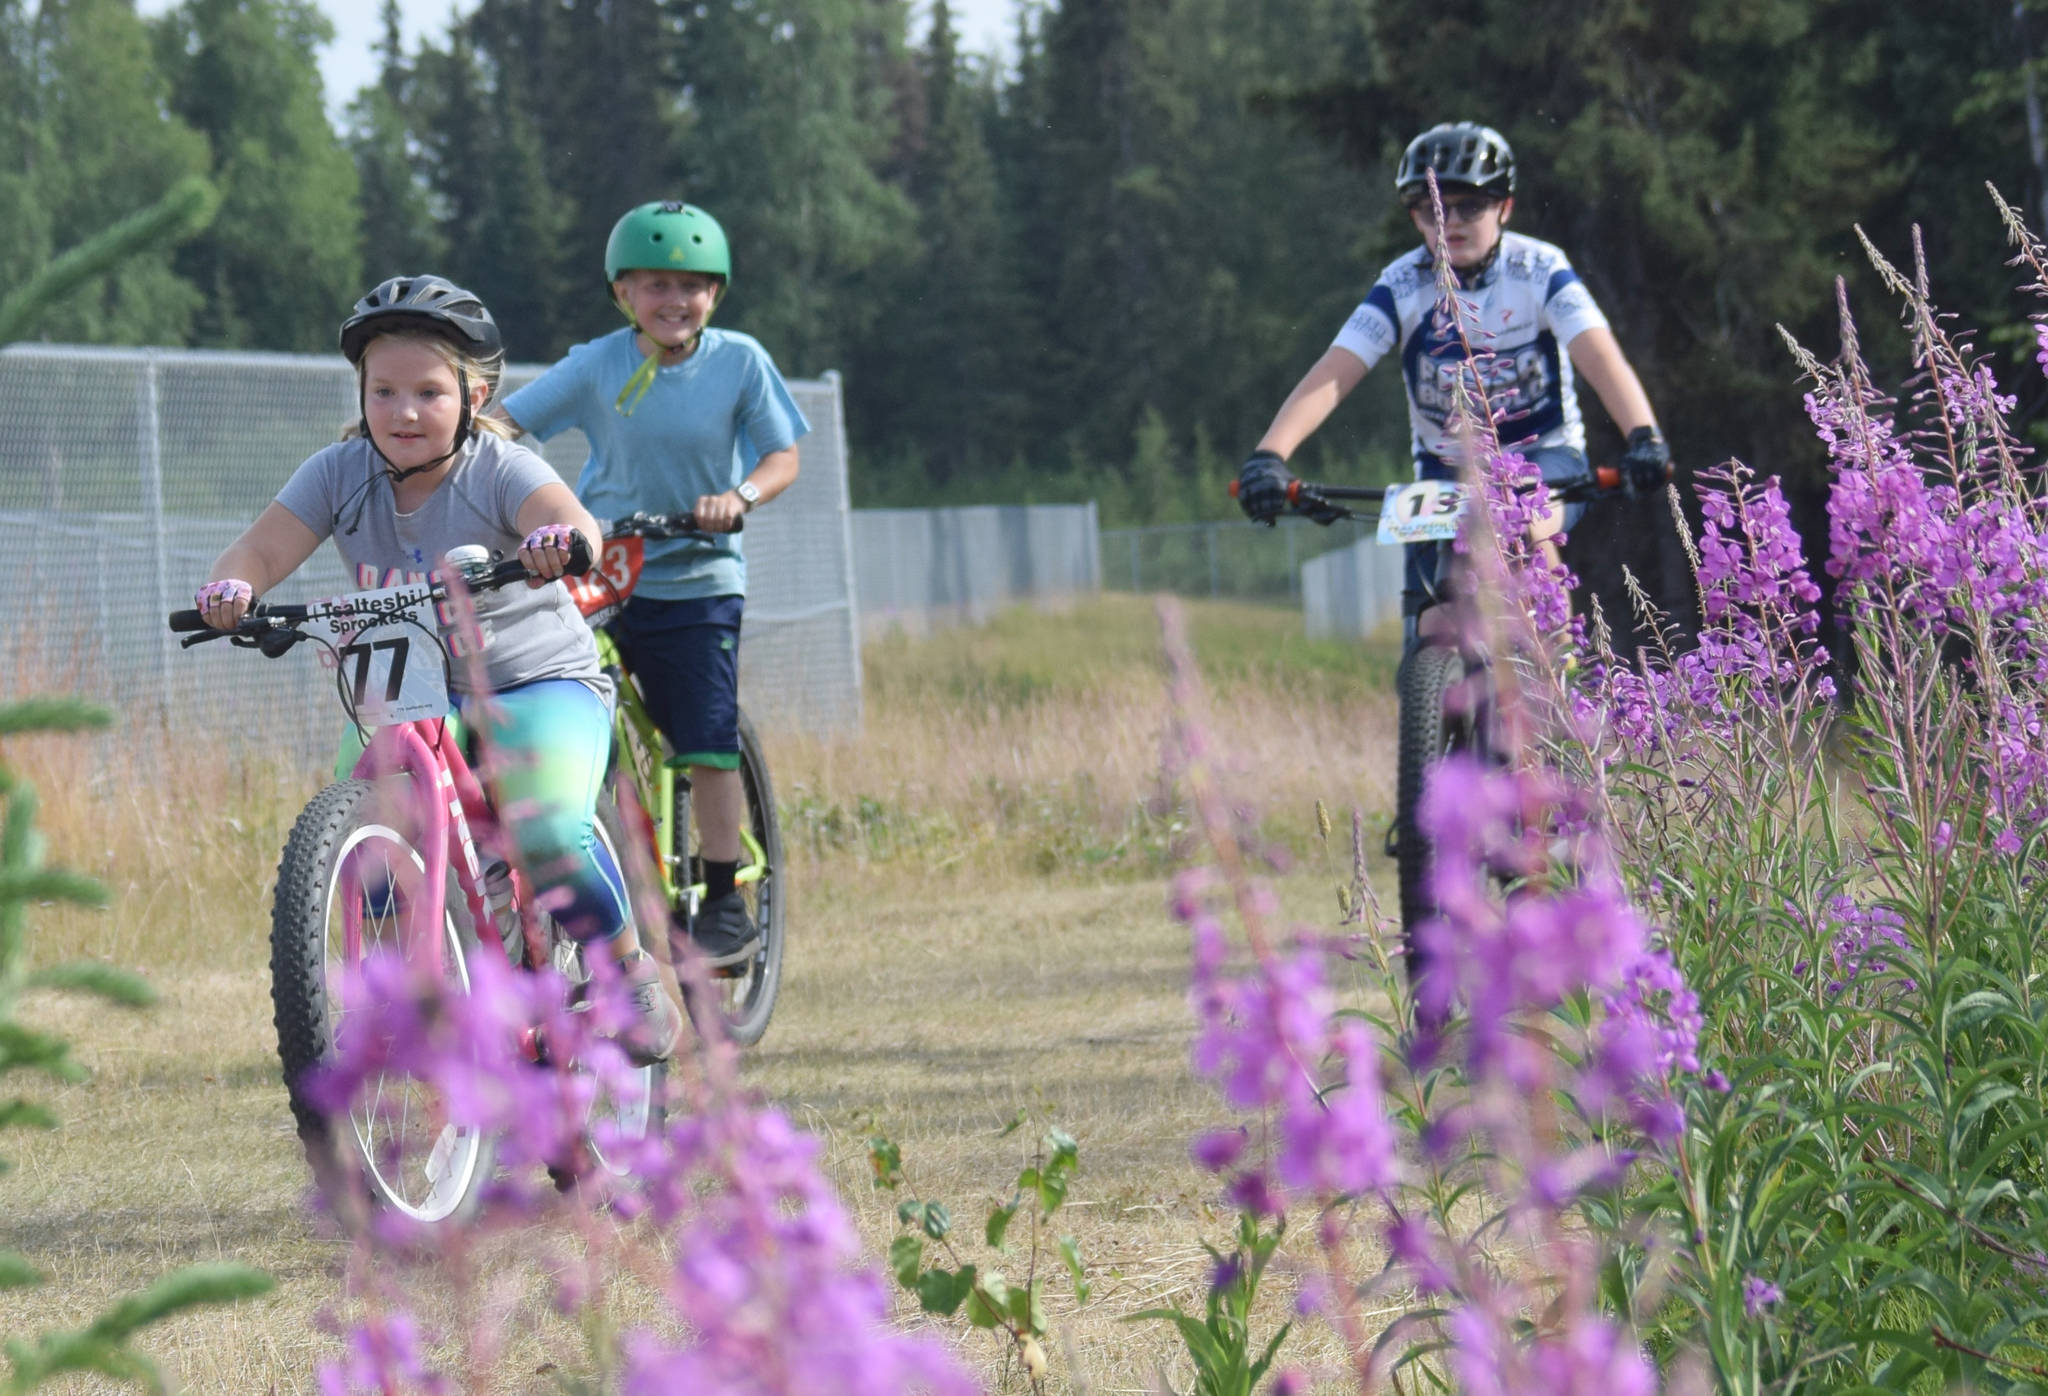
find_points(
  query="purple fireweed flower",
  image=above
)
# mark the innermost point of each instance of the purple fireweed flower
(1218, 1149)
(1414, 1246)
(1757, 639)
(1590, 1356)
(1758, 1295)
(1263, 1038)
(767, 1280)
(1343, 1143)
(381, 1356)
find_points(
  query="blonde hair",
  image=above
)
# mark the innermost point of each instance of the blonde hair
(463, 364)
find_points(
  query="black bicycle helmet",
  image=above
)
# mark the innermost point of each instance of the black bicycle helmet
(431, 303)
(1462, 152)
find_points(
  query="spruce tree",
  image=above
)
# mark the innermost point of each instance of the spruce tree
(281, 263)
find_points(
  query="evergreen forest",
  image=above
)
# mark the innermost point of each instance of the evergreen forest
(1088, 269)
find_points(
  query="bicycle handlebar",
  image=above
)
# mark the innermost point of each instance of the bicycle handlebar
(656, 527)
(271, 617)
(1302, 494)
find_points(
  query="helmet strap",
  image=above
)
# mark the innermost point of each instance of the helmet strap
(643, 377)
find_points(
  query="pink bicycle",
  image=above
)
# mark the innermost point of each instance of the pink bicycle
(401, 856)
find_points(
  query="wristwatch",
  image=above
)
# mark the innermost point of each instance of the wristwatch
(748, 493)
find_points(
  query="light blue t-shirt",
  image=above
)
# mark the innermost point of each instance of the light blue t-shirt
(698, 430)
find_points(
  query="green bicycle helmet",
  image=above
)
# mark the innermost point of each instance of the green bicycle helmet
(668, 235)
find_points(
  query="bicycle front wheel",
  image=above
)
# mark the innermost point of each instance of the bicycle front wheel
(350, 875)
(1433, 725)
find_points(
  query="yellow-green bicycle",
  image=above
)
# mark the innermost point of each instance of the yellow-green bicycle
(661, 792)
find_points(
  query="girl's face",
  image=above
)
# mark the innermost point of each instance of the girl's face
(670, 307)
(412, 401)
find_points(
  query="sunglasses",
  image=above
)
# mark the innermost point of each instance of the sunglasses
(1455, 210)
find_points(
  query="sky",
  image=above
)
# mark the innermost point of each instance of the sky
(346, 66)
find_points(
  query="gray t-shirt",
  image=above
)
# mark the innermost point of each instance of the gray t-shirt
(529, 633)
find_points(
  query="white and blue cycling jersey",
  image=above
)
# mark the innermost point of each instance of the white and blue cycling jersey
(1520, 312)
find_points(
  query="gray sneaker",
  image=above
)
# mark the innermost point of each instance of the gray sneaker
(653, 1038)
(724, 932)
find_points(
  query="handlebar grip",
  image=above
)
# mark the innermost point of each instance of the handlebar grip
(1233, 489)
(1293, 492)
(182, 621)
(1607, 477)
(579, 555)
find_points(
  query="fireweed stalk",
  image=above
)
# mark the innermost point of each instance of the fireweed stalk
(1852, 882)
(724, 1213)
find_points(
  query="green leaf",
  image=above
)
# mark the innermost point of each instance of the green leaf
(49, 885)
(1070, 1252)
(1016, 1122)
(122, 986)
(1027, 1307)
(23, 1113)
(886, 1159)
(186, 208)
(1052, 1190)
(937, 1220)
(906, 1258)
(940, 1291)
(51, 714)
(989, 1300)
(16, 1272)
(998, 1224)
(910, 1212)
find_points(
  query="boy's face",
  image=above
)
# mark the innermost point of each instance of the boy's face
(1472, 222)
(670, 307)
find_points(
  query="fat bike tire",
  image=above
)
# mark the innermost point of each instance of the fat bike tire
(1430, 731)
(394, 1151)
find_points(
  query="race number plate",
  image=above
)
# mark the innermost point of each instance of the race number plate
(389, 650)
(607, 585)
(1421, 511)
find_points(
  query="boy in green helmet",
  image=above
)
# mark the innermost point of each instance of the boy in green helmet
(680, 418)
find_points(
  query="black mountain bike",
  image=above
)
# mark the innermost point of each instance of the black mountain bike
(1444, 686)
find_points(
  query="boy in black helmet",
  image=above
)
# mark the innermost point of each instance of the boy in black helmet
(1522, 302)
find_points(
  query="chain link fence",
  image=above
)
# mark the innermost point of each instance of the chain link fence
(915, 569)
(1351, 592)
(1234, 559)
(125, 472)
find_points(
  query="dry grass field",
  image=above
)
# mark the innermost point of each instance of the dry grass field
(978, 924)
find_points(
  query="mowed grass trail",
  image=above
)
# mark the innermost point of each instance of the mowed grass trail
(978, 925)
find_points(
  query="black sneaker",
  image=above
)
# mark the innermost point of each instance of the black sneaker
(653, 1038)
(723, 931)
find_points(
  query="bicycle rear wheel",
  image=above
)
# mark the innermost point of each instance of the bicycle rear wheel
(1433, 725)
(746, 996)
(350, 875)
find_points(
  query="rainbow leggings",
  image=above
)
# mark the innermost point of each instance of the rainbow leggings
(550, 745)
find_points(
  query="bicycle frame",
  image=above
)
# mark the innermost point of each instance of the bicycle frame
(639, 755)
(450, 797)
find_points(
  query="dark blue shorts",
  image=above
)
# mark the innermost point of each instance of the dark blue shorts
(1561, 465)
(685, 655)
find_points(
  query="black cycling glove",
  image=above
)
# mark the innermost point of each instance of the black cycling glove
(1262, 487)
(1646, 464)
